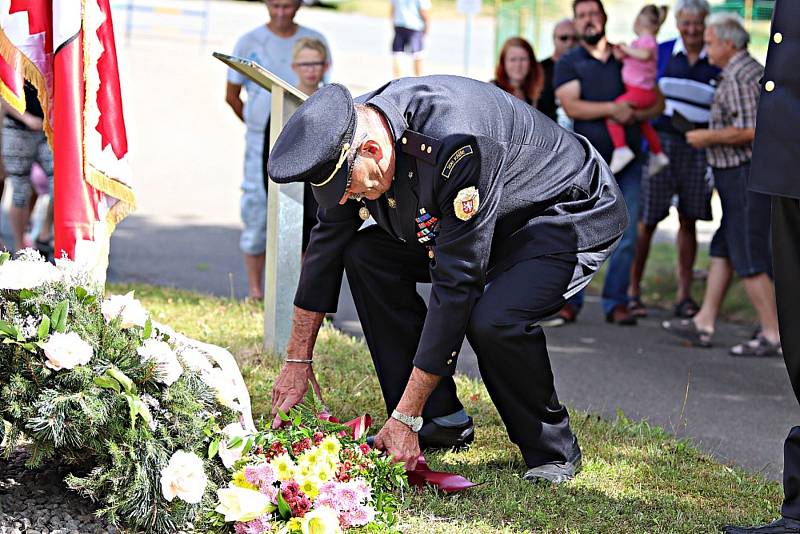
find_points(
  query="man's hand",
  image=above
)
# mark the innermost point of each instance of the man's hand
(619, 53)
(400, 442)
(622, 113)
(700, 138)
(33, 122)
(290, 388)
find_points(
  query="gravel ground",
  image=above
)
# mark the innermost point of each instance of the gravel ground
(36, 501)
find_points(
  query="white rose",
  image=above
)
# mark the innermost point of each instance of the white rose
(128, 309)
(229, 456)
(195, 360)
(242, 504)
(183, 477)
(169, 368)
(224, 386)
(65, 351)
(17, 274)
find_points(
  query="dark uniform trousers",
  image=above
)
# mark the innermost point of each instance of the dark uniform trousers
(786, 259)
(512, 355)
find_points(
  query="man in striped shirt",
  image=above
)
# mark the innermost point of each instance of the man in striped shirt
(687, 80)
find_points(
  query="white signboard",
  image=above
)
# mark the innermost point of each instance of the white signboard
(469, 7)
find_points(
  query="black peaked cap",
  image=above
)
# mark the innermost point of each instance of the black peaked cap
(312, 143)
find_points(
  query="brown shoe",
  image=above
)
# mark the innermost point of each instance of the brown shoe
(621, 315)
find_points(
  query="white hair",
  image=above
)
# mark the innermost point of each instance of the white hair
(729, 27)
(694, 7)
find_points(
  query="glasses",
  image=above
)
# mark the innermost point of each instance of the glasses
(310, 65)
(565, 38)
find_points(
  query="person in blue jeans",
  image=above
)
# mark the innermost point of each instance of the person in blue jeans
(589, 104)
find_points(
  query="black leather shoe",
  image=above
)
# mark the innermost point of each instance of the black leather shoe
(781, 526)
(433, 436)
(557, 472)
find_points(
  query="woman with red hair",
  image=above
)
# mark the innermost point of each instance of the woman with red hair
(518, 72)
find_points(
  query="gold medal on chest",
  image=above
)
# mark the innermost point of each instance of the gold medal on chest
(363, 212)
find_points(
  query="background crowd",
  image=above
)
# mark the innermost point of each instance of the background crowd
(675, 120)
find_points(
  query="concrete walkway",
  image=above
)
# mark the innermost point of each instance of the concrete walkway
(188, 150)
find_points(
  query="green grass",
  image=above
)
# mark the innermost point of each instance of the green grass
(636, 477)
(659, 286)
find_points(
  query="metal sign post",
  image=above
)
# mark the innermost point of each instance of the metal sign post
(470, 8)
(284, 213)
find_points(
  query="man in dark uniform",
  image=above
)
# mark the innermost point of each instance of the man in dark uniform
(474, 191)
(773, 171)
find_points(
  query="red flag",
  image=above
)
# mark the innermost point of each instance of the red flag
(65, 48)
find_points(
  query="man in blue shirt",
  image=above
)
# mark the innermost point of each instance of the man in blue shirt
(587, 81)
(411, 22)
(687, 80)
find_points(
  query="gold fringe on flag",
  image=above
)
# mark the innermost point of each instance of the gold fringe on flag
(13, 56)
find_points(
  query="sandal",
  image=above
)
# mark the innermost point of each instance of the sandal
(686, 309)
(686, 329)
(760, 346)
(636, 307)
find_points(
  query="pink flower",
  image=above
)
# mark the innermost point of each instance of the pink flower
(364, 448)
(346, 497)
(261, 476)
(360, 516)
(256, 526)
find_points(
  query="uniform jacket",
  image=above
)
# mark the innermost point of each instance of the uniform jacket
(773, 168)
(540, 190)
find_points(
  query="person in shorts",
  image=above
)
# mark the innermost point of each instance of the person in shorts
(411, 22)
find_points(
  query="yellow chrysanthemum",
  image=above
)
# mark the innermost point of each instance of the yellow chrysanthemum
(324, 472)
(309, 485)
(240, 480)
(284, 467)
(331, 446)
(295, 524)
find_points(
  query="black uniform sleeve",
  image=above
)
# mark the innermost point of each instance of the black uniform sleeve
(461, 255)
(321, 276)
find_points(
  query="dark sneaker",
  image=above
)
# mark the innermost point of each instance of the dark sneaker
(783, 525)
(433, 436)
(556, 472)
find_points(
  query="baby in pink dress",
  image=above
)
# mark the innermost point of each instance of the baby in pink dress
(639, 76)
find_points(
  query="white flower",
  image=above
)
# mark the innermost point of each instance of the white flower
(128, 309)
(242, 504)
(322, 520)
(65, 351)
(229, 456)
(183, 477)
(169, 368)
(18, 274)
(195, 360)
(224, 386)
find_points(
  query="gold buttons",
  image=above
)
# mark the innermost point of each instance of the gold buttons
(392, 202)
(449, 361)
(429, 150)
(430, 253)
(454, 354)
(769, 86)
(778, 37)
(404, 140)
(422, 147)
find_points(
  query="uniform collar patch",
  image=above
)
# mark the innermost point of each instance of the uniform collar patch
(457, 156)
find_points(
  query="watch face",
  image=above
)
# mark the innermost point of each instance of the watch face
(417, 424)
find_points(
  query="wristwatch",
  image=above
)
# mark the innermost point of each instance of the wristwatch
(414, 423)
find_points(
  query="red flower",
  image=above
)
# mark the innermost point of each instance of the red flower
(364, 448)
(318, 437)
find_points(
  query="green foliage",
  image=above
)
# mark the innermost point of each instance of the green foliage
(113, 417)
